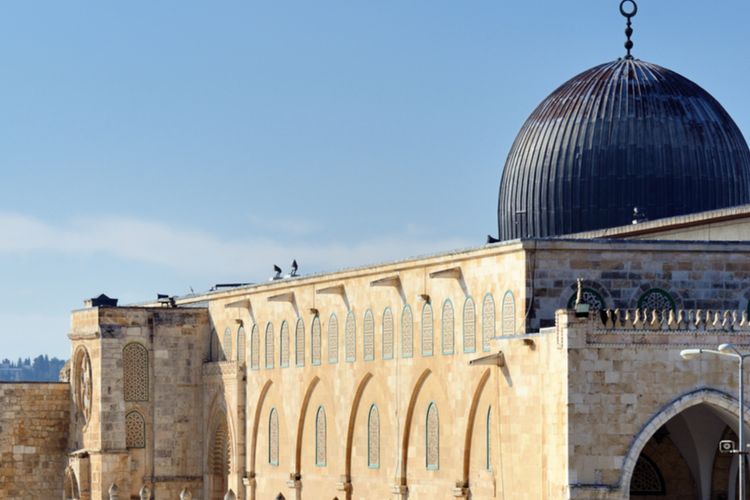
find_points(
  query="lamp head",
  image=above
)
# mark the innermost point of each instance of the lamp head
(728, 348)
(689, 354)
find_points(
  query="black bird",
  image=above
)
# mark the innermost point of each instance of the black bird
(277, 272)
(294, 268)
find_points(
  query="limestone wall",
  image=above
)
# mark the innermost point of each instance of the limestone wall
(626, 381)
(145, 422)
(33, 439)
(694, 275)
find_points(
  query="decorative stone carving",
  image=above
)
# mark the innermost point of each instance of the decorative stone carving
(254, 348)
(269, 345)
(320, 437)
(83, 381)
(315, 341)
(273, 437)
(373, 438)
(509, 314)
(656, 298)
(284, 344)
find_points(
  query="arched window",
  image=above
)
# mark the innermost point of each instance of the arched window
(647, 478)
(509, 314)
(299, 343)
(227, 345)
(373, 438)
(254, 348)
(269, 345)
(432, 438)
(273, 437)
(488, 321)
(315, 341)
(488, 440)
(284, 345)
(656, 298)
(241, 345)
(320, 437)
(588, 296)
(368, 336)
(447, 327)
(135, 430)
(470, 326)
(427, 330)
(135, 372)
(350, 338)
(333, 339)
(407, 333)
(387, 333)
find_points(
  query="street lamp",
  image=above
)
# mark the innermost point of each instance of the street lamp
(729, 350)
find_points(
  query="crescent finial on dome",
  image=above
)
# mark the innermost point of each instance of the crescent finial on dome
(628, 8)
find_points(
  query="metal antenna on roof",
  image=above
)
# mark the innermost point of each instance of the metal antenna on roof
(629, 13)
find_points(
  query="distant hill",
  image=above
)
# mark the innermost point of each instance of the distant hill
(41, 369)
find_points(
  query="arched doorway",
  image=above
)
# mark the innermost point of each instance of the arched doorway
(219, 454)
(680, 458)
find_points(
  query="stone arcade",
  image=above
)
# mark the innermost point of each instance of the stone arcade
(458, 375)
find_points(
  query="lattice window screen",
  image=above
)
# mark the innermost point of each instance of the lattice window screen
(448, 327)
(273, 437)
(333, 339)
(488, 321)
(350, 337)
(432, 438)
(315, 341)
(269, 345)
(135, 430)
(320, 438)
(470, 326)
(509, 314)
(373, 438)
(368, 336)
(284, 345)
(135, 372)
(254, 348)
(428, 338)
(387, 334)
(407, 333)
(299, 343)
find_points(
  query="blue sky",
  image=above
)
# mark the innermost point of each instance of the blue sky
(150, 147)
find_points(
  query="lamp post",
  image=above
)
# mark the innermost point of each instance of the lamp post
(730, 351)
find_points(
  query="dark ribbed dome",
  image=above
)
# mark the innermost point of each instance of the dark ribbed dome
(621, 135)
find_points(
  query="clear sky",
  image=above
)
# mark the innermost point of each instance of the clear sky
(150, 147)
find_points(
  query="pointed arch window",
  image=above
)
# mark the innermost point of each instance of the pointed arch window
(241, 345)
(269, 345)
(320, 437)
(333, 339)
(407, 333)
(254, 348)
(470, 326)
(135, 372)
(488, 321)
(432, 438)
(284, 345)
(315, 341)
(216, 350)
(299, 343)
(350, 338)
(227, 345)
(368, 336)
(509, 314)
(387, 348)
(135, 430)
(448, 325)
(428, 338)
(273, 437)
(373, 438)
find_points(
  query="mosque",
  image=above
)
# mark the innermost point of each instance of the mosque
(545, 364)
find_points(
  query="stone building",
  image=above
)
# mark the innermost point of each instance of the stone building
(545, 365)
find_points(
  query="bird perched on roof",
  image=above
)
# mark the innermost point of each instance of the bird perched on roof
(277, 273)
